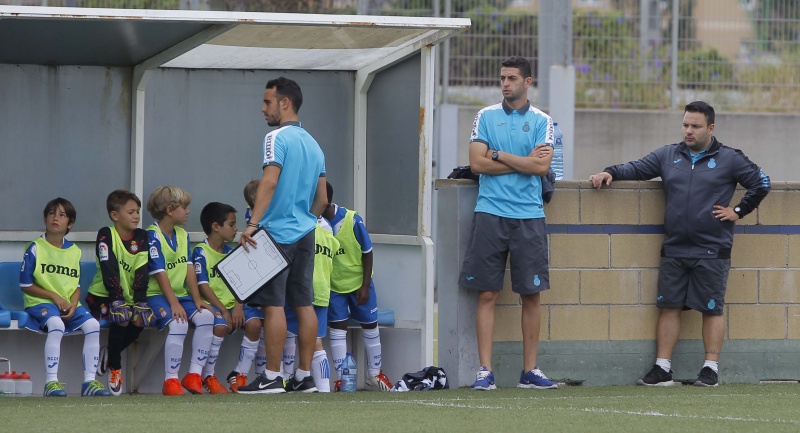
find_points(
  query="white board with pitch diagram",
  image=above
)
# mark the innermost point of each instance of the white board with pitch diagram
(244, 272)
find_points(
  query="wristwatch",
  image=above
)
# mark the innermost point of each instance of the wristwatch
(494, 155)
(738, 211)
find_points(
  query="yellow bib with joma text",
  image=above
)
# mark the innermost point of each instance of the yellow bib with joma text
(57, 270)
(214, 280)
(348, 272)
(326, 247)
(176, 263)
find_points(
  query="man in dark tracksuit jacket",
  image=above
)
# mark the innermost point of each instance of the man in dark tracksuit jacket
(699, 176)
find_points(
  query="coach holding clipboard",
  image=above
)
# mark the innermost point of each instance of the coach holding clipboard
(290, 196)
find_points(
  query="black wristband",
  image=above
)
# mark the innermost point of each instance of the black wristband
(252, 225)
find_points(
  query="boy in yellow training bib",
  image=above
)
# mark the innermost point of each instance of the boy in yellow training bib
(172, 292)
(118, 292)
(49, 278)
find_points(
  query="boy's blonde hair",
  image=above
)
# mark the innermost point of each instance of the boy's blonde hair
(166, 198)
(250, 192)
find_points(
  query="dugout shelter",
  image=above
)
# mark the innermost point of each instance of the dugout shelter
(99, 99)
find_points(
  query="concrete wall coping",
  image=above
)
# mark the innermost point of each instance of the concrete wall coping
(621, 184)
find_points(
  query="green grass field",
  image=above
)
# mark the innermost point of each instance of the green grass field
(745, 408)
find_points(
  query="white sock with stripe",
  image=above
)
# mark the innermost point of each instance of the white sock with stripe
(246, 354)
(52, 347)
(201, 342)
(372, 342)
(213, 354)
(261, 355)
(173, 348)
(338, 340)
(321, 371)
(289, 351)
(91, 349)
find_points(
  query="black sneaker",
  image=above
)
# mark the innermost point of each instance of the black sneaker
(262, 385)
(707, 377)
(657, 377)
(305, 385)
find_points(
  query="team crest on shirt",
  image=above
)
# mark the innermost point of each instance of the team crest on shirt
(102, 251)
(712, 163)
(44, 312)
(153, 252)
(162, 312)
(103, 309)
(526, 127)
(134, 247)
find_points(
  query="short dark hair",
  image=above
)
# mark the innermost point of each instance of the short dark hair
(69, 209)
(285, 87)
(701, 107)
(119, 198)
(520, 63)
(250, 192)
(214, 212)
(329, 188)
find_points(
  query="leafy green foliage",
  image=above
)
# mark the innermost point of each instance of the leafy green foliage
(704, 67)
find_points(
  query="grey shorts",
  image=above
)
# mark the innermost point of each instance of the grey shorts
(294, 286)
(493, 238)
(697, 284)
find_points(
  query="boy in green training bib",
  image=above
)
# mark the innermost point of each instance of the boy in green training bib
(219, 224)
(172, 292)
(119, 290)
(353, 293)
(49, 279)
(326, 247)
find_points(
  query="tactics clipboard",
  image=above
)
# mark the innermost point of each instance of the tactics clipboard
(244, 272)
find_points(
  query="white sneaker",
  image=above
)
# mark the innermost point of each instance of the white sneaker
(379, 382)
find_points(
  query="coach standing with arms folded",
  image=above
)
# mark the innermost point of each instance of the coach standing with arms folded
(290, 197)
(699, 176)
(510, 148)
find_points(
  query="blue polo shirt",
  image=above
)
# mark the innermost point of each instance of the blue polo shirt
(696, 157)
(288, 217)
(513, 195)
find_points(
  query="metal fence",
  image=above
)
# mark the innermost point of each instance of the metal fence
(741, 55)
(744, 55)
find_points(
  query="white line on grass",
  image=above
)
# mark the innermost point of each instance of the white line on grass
(468, 406)
(677, 415)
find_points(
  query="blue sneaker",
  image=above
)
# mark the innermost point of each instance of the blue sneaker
(94, 388)
(535, 379)
(485, 380)
(54, 389)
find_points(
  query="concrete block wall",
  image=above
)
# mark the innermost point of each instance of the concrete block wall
(600, 314)
(598, 143)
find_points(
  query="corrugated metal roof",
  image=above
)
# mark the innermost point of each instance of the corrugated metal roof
(117, 37)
